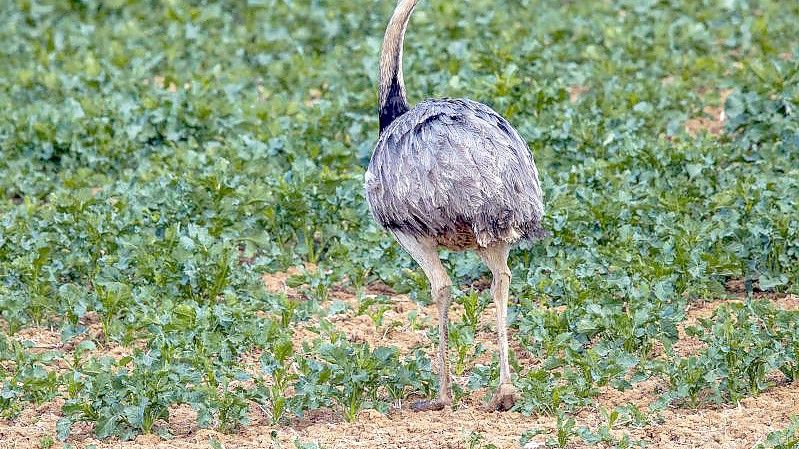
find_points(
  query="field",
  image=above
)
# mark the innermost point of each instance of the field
(187, 259)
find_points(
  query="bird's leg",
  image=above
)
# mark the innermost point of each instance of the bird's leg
(496, 258)
(442, 293)
(500, 287)
(424, 252)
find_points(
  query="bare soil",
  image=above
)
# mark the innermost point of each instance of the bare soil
(712, 119)
(737, 426)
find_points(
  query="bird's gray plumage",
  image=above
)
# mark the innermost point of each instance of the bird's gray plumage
(455, 171)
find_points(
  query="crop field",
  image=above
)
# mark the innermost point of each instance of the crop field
(187, 259)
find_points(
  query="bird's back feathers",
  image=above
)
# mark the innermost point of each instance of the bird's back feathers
(455, 170)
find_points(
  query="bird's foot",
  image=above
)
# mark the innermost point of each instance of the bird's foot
(431, 405)
(504, 398)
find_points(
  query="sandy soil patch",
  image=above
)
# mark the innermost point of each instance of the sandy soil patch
(713, 119)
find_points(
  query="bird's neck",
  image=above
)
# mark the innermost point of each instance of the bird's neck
(391, 88)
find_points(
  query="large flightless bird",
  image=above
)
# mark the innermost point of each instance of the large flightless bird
(454, 174)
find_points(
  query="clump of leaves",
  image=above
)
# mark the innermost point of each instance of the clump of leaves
(276, 364)
(745, 343)
(25, 376)
(476, 440)
(564, 431)
(605, 433)
(356, 373)
(787, 438)
(375, 307)
(120, 401)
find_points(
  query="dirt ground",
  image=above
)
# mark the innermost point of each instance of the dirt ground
(736, 426)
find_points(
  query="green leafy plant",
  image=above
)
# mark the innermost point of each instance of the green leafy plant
(786, 438)
(276, 364)
(355, 373)
(564, 431)
(745, 342)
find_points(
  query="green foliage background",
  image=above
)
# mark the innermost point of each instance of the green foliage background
(159, 156)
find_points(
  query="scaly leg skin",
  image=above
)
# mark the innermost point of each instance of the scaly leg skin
(424, 252)
(496, 258)
(444, 399)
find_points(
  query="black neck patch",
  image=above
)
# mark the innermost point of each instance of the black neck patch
(394, 106)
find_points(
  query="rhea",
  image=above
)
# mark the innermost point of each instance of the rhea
(452, 174)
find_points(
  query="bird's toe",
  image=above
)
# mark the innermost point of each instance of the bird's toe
(428, 405)
(504, 398)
